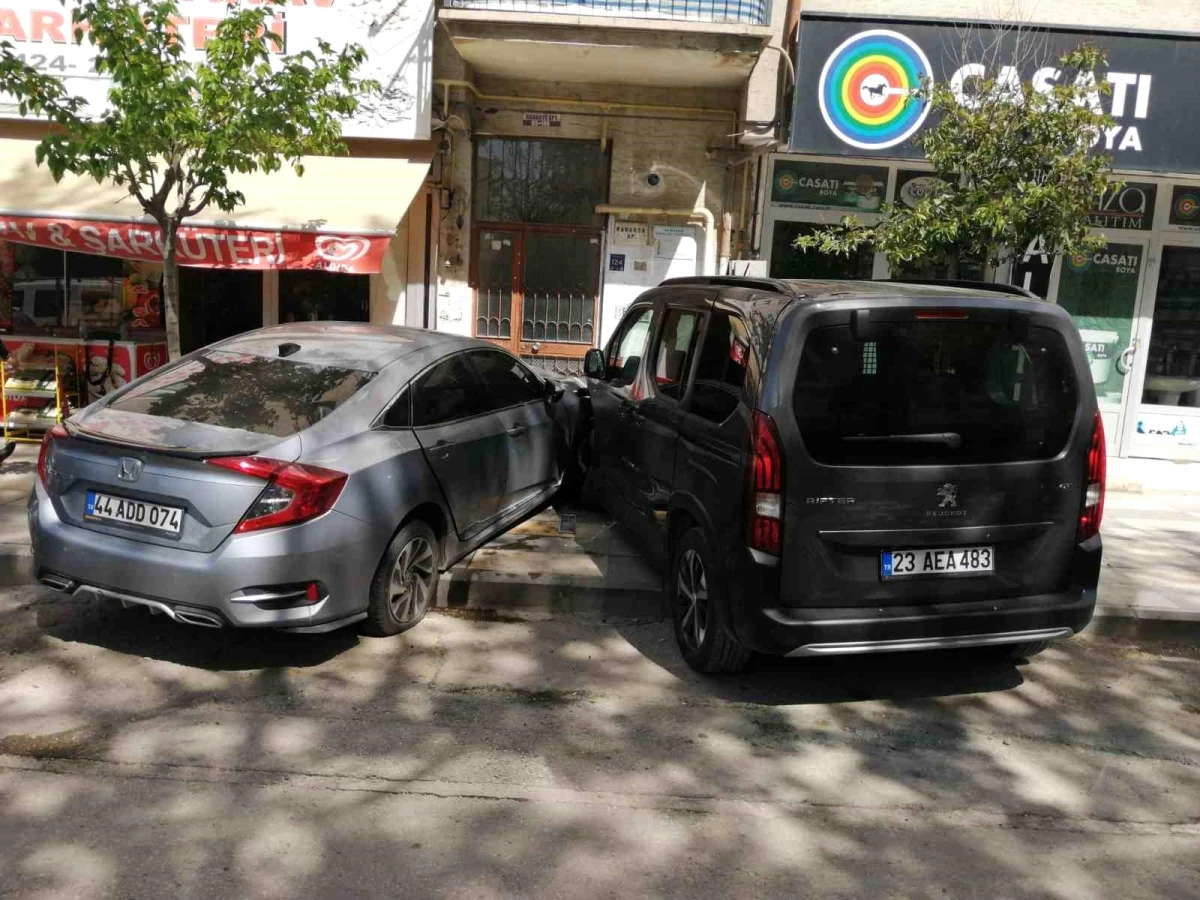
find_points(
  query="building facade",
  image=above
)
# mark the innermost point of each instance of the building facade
(351, 239)
(590, 150)
(850, 151)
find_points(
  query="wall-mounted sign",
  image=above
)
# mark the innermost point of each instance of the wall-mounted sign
(801, 184)
(857, 77)
(541, 120)
(616, 262)
(398, 39)
(1131, 208)
(631, 234)
(914, 185)
(1185, 208)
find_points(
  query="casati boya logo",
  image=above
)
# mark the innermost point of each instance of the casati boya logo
(867, 90)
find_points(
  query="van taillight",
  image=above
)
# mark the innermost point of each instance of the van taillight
(1093, 491)
(765, 486)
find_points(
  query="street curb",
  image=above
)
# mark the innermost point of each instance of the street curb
(1180, 632)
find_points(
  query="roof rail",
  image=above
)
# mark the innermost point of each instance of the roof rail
(763, 284)
(994, 286)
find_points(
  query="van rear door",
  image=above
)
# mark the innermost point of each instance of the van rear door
(933, 455)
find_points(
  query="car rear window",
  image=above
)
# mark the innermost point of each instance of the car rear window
(934, 392)
(259, 394)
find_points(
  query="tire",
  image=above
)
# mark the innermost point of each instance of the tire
(700, 609)
(405, 585)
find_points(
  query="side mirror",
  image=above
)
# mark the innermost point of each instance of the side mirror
(593, 363)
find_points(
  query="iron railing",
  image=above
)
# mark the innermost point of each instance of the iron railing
(741, 12)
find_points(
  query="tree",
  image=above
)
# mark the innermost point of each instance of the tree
(177, 124)
(1014, 164)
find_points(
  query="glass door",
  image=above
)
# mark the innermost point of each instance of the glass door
(1167, 420)
(537, 288)
(1102, 292)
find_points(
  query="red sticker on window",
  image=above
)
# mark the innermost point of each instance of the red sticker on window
(737, 351)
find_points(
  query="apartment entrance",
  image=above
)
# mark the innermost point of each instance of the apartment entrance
(535, 268)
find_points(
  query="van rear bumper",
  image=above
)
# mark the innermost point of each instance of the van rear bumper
(780, 630)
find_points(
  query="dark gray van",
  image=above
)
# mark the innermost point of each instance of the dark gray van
(853, 467)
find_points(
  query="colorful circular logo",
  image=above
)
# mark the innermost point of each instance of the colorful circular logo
(867, 89)
(786, 182)
(1187, 206)
(1080, 262)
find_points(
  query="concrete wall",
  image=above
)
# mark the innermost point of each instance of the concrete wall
(1180, 16)
(690, 158)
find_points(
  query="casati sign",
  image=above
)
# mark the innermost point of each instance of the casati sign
(202, 246)
(397, 35)
(855, 77)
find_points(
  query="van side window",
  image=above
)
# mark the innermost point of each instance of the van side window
(676, 347)
(629, 348)
(726, 360)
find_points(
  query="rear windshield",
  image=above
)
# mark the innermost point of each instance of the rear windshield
(244, 392)
(934, 392)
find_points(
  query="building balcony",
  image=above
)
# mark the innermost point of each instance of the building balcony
(737, 12)
(646, 43)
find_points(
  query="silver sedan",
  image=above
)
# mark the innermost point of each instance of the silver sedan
(302, 477)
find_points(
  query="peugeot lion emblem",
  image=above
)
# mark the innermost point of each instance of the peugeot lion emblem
(129, 469)
(948, 494)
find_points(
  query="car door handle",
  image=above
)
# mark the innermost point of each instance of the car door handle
(517, 430)
(442, 448)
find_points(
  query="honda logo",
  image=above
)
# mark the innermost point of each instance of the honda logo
(129, 469)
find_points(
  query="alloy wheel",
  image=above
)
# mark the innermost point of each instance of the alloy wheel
(691, 597)
(411, 588)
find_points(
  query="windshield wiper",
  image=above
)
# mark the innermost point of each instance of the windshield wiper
(950, 439)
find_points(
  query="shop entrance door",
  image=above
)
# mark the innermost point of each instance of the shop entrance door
(1166, 409)
(537, 288)
(1102, 291)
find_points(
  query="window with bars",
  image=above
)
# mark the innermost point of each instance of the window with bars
(539, 180)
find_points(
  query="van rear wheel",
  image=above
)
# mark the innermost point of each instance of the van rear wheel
(700, 609)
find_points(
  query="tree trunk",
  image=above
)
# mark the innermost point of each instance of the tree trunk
(171, 294)
(952, 267)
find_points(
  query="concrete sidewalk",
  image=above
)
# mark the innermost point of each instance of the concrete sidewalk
(574, 560)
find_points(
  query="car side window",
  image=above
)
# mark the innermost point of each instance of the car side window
(506, 381)
(674, 353)
(726, 366)
(399, 413)
(629, 347)
(447, 392)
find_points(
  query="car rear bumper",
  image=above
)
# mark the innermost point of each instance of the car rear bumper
(785, 630)
(241, 583)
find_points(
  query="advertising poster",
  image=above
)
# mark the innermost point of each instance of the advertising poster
(1100, 291)
(800, 184)
(1131, 208)
(1185, 208)
(914, 185)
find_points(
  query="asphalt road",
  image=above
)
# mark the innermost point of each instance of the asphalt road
(578, 758)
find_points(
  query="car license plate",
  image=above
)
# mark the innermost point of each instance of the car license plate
(104, 508)
(937, 561)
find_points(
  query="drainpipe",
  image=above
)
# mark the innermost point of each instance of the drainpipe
(708, 223)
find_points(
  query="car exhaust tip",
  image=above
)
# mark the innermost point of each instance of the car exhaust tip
(58, 582)
(195, 617)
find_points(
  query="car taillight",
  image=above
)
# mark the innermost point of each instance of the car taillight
(765, 486)
(57, 433)
(1093, 491)
(294, 492)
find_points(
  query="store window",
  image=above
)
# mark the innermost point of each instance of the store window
(1173, 359)
(316, 296)
(787, 261)
(44, 291)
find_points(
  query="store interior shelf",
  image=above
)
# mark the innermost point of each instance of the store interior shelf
(43, 395)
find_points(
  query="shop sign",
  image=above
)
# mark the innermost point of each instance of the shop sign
(1185, 208)
(541, 120)
(856, 82)
(397, 37)
(1130, 208)
(801, 184)
(914, 185)
(631, 234)
(202, 246)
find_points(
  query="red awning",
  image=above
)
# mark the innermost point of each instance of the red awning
(204, 246)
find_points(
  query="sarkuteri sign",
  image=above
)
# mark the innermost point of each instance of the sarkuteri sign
(856, 76)
(397, 35)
